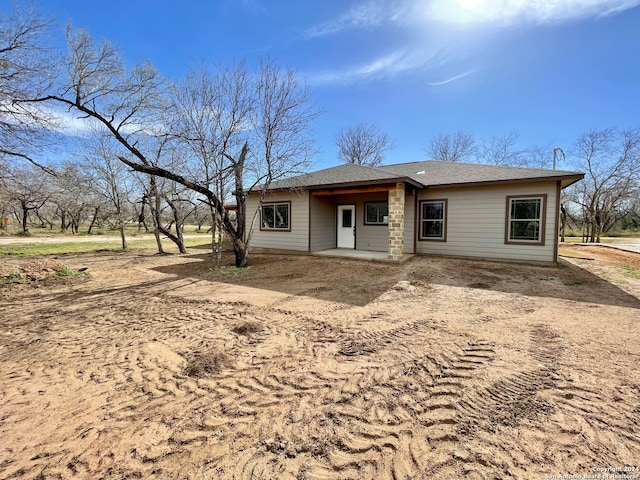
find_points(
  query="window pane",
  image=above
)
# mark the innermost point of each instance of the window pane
(383, 212)
(432, 229)
(268, 216)
(346, 219)
(282, 216)
(525, 209)
(433, 211)
(525, 230)
(377, 212)
(372, 213)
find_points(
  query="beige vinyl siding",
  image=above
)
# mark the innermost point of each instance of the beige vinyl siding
(476, 222)
(323, 223)
(297, 239)
(409, 222)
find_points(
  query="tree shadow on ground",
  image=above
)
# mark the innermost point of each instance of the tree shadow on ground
(330, 279)
(357, 282)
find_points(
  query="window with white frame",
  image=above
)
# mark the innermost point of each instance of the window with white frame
(275, 216)
(525, 219)
(433, 220)
(376, 213)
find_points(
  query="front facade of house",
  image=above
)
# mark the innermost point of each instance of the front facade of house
(424, 208)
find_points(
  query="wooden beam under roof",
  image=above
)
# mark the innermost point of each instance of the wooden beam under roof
(347, 190)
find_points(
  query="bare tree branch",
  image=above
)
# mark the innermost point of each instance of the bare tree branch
(457, 147)
(363, 144)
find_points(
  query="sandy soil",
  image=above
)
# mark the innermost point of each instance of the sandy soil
(317, 368)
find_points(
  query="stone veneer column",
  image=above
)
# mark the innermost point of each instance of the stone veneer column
(396, 222)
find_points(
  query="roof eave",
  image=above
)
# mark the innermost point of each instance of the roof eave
(359, 183)
(554, 178)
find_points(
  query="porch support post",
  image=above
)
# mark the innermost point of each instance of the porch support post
(396, 222)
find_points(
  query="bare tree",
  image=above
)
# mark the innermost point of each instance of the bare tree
(131, 106)
(27, 190)
(504, 150)
(73, 196)
(110, 177)
(27, 70)
(211, 115)
(611, 161)
(363, 144)
(457, 147)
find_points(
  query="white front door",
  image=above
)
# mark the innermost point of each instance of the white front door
(346, 226)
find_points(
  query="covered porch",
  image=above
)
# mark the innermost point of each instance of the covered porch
(372, 222)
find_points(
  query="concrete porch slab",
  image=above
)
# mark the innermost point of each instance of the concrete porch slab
(361, 255)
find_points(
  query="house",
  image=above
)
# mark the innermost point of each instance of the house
(429, 207)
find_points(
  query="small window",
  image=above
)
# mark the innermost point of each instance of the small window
(275, 216)
(525, 221)
(347, 218)
(376, 213)
(433, 218)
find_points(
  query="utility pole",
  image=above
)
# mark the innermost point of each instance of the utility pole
(555, 155)
(563, 212)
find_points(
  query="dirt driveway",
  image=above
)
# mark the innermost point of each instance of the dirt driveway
(318, 368)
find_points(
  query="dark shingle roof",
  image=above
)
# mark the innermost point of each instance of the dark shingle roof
(346, 174)
(434, 173)
(428, 173)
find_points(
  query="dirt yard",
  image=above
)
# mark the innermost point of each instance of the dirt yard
(317, 368)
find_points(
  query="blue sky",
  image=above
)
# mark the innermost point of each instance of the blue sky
(546, 69)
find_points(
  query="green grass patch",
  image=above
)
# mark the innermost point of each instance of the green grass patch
(12, 277)
(62, 247)
(631, 271)
(66, 272)
(575, 283)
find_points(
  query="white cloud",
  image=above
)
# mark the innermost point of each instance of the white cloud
(388, 66)
(452, 79)
(420, 13)
(369, 14)
(517, 12)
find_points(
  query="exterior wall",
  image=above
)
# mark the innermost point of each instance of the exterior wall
(297, 238)
(322, 229)
(476, 222)
(409, 221)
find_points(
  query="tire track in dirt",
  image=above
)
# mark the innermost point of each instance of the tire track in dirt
(354, 417)
(510, 399)
(300, 397)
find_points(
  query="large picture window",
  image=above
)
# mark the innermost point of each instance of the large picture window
(275, 216)
(433, 220)
(376, 213)
(525, 219)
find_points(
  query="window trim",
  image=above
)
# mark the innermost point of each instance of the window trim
(445, 203)
(543, 220)
(384, 224)
(275, 229)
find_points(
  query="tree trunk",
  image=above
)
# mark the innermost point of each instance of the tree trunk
(25, 217)
(123, 238)
(563, 222)
(241, 253)
(93, 219)
(155, 213)
(177, 238)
